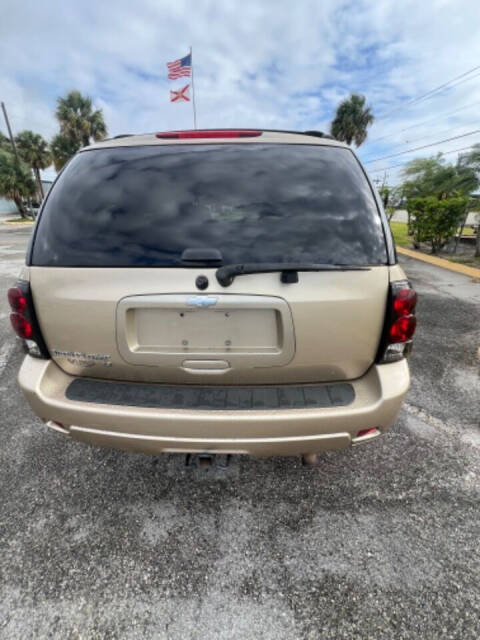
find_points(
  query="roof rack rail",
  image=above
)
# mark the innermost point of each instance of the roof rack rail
(120, 135)
(319, 134)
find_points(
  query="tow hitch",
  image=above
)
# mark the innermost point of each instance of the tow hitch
(204, 460)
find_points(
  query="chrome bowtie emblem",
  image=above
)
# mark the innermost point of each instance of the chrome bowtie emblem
(202, 301)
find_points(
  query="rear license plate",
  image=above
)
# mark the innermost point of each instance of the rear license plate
(206, 330)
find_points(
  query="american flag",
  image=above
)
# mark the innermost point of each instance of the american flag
(180, 68)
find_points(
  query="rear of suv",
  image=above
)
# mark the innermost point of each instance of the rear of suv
(214, 292)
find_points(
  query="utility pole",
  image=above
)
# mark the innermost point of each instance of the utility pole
(193, 93)
(12, 141)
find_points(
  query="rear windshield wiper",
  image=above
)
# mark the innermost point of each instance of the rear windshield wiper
(289, 272)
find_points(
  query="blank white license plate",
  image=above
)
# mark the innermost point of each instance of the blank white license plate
(232, 330)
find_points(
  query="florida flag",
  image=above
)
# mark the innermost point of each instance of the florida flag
(180, 95)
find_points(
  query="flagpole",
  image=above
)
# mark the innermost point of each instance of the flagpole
(193, 94)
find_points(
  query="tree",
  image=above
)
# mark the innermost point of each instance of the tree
(435, 221)
(63, 148)
(5, 144)
(433, 177)
(33, 150)
(471, 160)
(78, 121)
(352, 120)
(16, 181)
(79, 126)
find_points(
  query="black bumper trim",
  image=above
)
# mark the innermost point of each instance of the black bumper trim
(208, 398)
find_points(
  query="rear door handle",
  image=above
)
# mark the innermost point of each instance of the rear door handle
(206, 366)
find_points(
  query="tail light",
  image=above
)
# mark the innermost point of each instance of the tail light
(24, 321)
(403, 329)
(400, 323)
(17, 300)
(22, 327)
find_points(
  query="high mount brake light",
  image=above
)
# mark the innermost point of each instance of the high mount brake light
(400, 323)
(210, 133)
(24, 321)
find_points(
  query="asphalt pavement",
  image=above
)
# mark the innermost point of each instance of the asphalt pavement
(377, 542)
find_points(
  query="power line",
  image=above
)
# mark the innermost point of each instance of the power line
(425, 146)
(430, 135)
(403, 164)
(430, 93)
(434, 92)
(438, 133)
(419, 124)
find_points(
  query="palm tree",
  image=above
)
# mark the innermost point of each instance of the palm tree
(5, 144)
(352, 120)
(16, 181)
(33, 150)
(78, 121)
(63, 148)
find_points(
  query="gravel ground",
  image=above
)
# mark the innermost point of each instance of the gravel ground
(376, 542)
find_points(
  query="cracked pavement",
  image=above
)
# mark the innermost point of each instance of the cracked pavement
(377, 542)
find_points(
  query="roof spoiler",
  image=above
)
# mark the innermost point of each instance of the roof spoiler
(314, 133)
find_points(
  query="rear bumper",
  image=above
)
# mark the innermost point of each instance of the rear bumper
(378, 397)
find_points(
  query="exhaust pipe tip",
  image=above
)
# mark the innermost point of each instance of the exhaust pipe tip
(310, 459)
(58, 427)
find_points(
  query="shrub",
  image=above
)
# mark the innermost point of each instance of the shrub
(435, 221)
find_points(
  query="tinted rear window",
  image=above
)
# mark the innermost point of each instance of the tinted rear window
(142, 206)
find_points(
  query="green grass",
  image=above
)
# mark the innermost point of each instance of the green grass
(402, 239)
(400, 235)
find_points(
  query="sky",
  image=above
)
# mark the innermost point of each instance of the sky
(262, 63)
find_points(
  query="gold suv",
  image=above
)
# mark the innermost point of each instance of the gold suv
(221, 291)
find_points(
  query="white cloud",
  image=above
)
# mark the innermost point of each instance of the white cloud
(270, 63)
